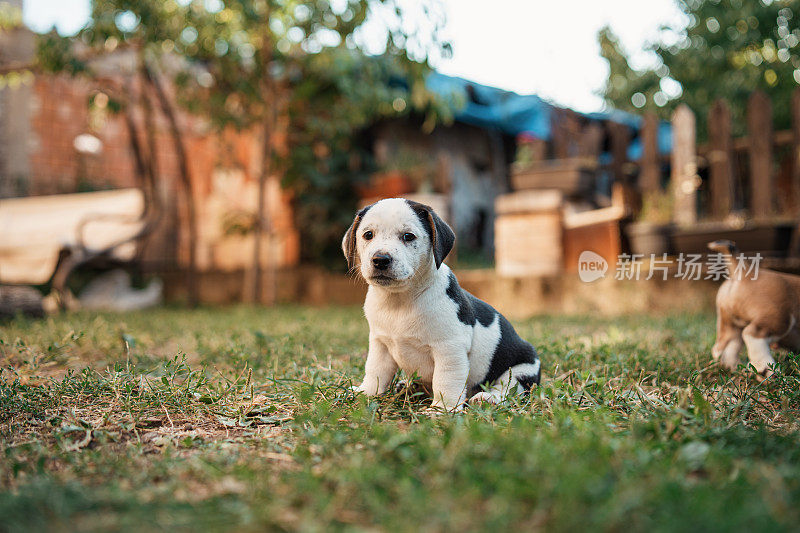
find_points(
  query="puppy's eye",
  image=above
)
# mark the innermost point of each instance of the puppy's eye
(368, 235)
(408, 237)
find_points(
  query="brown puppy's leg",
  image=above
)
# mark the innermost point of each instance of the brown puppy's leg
(729, 343)
(758, 338)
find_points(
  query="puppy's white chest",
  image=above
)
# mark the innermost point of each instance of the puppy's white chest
(411, 355)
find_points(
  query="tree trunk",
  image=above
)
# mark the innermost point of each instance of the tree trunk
(146, 166)
(147, 179)
(270, 98)
(264, 293)
(183, 164)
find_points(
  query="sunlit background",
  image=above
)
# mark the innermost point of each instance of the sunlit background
(527, 46)
(234, 140)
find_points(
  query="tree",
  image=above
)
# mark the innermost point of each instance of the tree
(305, 67)
(142, 29)
(728, 49)
(330, 111)
(265, 65)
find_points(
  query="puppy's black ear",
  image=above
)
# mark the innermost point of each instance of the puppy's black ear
(349, 240)
(442, 236)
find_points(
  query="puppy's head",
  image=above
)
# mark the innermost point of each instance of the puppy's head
(393, 240)
(724, 247)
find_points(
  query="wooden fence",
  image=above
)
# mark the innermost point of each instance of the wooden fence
(756, 176)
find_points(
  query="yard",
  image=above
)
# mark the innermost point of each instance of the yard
(242, 419)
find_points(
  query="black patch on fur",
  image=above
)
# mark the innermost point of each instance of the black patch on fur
(466, 314)
(361, 214)
(421, 210)
(511, 349)
(528, 381)
(484, 313)
(440, 234)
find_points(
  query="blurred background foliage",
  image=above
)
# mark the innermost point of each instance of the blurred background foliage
(728, 49)
(295, 70)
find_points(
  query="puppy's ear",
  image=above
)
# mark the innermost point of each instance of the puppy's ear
(349, 240)
(723, 246)
(442, 236)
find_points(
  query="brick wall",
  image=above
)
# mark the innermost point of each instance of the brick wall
(224, 170)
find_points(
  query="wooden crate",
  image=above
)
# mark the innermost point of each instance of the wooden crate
(528, 233)
(573, 177)
(598, 231)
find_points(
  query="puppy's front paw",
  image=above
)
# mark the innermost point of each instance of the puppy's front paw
(486, 397)
(442, 408)
(365, 390)
(764, 375)
(432, 412)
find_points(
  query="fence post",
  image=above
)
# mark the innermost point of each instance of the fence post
(720, 158)
(684, 166)
(795, 151)
(650, 173)
(620, 138)
(759, 131)
(591, 144)
(558, 134)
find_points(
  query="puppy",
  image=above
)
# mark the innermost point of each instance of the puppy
(758, 310)
(420, 319)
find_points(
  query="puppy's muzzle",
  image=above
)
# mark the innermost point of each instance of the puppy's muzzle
(381, 261)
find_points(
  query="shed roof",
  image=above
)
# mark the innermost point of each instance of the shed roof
(515, 114)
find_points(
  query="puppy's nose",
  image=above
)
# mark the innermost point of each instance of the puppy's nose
(381, 261)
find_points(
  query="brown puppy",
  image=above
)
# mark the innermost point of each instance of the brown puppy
(757, 309)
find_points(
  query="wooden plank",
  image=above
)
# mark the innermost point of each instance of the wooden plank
(721, 160)
(593, 217)
(684, 166)
(762, 178)
(528, 202)
(573, 176)
(742, 144)
(650, 174)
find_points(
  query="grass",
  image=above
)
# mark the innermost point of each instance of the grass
(242, 419)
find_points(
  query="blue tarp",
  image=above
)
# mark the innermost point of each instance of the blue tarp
(515, 114)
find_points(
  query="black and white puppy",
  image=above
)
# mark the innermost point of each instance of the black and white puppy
(421, 321)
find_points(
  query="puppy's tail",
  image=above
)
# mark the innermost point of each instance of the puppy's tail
(728, 250)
